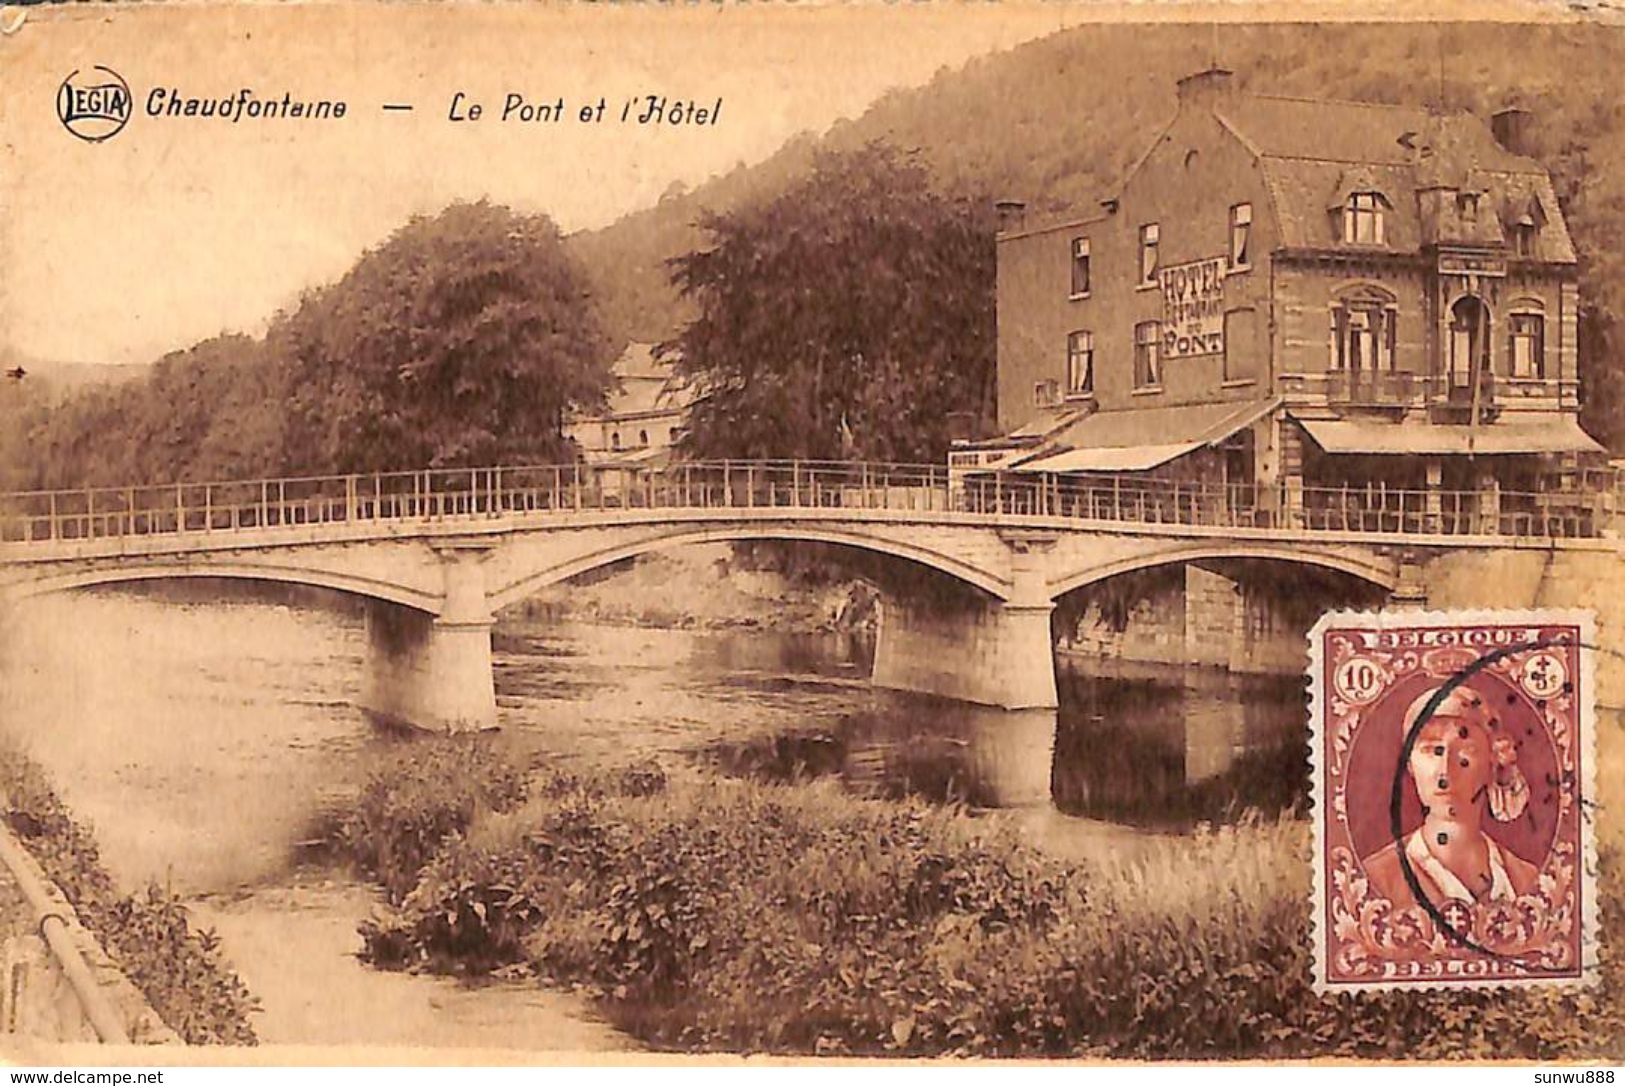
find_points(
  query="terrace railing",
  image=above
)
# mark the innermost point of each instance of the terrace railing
(563, 489)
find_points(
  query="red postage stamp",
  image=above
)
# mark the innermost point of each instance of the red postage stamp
(1454, 799)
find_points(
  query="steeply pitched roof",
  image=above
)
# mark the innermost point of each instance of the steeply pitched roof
(1314, 153)
(1361, 132)
(646, 383)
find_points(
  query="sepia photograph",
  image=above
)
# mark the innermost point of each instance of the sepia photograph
(573, 533)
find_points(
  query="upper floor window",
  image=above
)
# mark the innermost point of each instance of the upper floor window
(615, 440)
(1080, 267)
(1080, 364)
(1363, 219)
(1365, 333)
(1523, 222)
(1467, 206)
(1527, 344)
(1240, 345)
(643, 437)
(1147, 362)
(1241, 234)
(1150, 235)
(1523, 239)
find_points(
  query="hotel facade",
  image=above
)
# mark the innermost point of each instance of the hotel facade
(1312, 308)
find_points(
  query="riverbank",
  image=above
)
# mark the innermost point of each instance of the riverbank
(176, 967)
(729, 915)
(706, 586)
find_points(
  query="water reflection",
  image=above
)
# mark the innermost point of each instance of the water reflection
(1158, 747)
(1169, 747)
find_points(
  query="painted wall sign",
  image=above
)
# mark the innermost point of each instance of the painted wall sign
(1471, 264)
(1192, 308)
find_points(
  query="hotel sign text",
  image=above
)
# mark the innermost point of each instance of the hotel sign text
(1192, 308)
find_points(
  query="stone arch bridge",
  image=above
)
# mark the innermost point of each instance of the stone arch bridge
(436, 554)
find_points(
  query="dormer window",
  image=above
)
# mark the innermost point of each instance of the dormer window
(1523, 222)
(1363, 219)
(1467, 206)
(1523, 239)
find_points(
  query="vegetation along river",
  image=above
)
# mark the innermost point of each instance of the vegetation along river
(202, 731)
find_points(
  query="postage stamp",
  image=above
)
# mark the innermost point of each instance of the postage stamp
(1452, 757)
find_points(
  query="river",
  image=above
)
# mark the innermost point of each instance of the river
(202, 730)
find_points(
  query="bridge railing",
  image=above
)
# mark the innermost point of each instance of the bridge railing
(485, 493)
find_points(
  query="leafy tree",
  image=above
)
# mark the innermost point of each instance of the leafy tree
(462, 340)
(849, 316)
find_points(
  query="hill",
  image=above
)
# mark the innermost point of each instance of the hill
(1057, 122)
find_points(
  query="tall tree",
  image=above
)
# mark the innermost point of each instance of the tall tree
(462, 340)
(849, 316)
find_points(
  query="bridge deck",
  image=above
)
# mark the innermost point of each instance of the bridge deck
(135, 519)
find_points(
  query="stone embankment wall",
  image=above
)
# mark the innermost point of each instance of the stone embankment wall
(1193, 615)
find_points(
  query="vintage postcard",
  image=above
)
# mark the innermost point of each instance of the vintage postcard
(608, 532)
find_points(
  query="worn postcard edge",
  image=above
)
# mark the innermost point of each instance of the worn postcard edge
(1590, 930)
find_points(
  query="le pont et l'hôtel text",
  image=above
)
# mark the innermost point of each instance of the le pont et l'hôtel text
(648, 109)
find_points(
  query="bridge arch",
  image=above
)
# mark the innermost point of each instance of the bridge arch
(236, 571)
(532, 580)
(1373, 569)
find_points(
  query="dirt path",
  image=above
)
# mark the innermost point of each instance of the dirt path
(295, 946)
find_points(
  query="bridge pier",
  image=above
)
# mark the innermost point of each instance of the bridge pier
(434, 672)
(971, 647)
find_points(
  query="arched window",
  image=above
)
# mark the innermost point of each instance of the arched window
(615, 440)
(1469, 339)
(643, 437)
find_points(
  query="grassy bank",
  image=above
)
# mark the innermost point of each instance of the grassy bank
(178, 968)
(729, 915)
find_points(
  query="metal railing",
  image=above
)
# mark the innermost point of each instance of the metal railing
(482, 494)
(1398, 388)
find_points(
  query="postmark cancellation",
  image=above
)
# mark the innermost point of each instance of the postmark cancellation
(1453, 784)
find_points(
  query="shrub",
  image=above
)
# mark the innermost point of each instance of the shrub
(180, 970)
(740, 916)
(416, 797)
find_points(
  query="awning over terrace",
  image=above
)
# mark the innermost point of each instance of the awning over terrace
(1139, 440)
(1551, 434)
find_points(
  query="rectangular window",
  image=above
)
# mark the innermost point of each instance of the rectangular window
(1528, 346)
(1080, 267)
(1523, 239)
(1363, 338)
(1149, 236)
(1147, 363)
(1241, 230)
(1046, 393)
(1080, 364)
(1240, 345)
(1362, 219)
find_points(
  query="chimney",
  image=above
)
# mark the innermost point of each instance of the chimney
(1206, 87)
(1012, 214)
(1513, 128)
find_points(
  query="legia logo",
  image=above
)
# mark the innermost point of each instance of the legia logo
(95, 104)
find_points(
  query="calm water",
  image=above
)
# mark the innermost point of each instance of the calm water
(200, 734)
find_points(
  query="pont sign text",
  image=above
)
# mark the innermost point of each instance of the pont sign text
(1192, 308)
